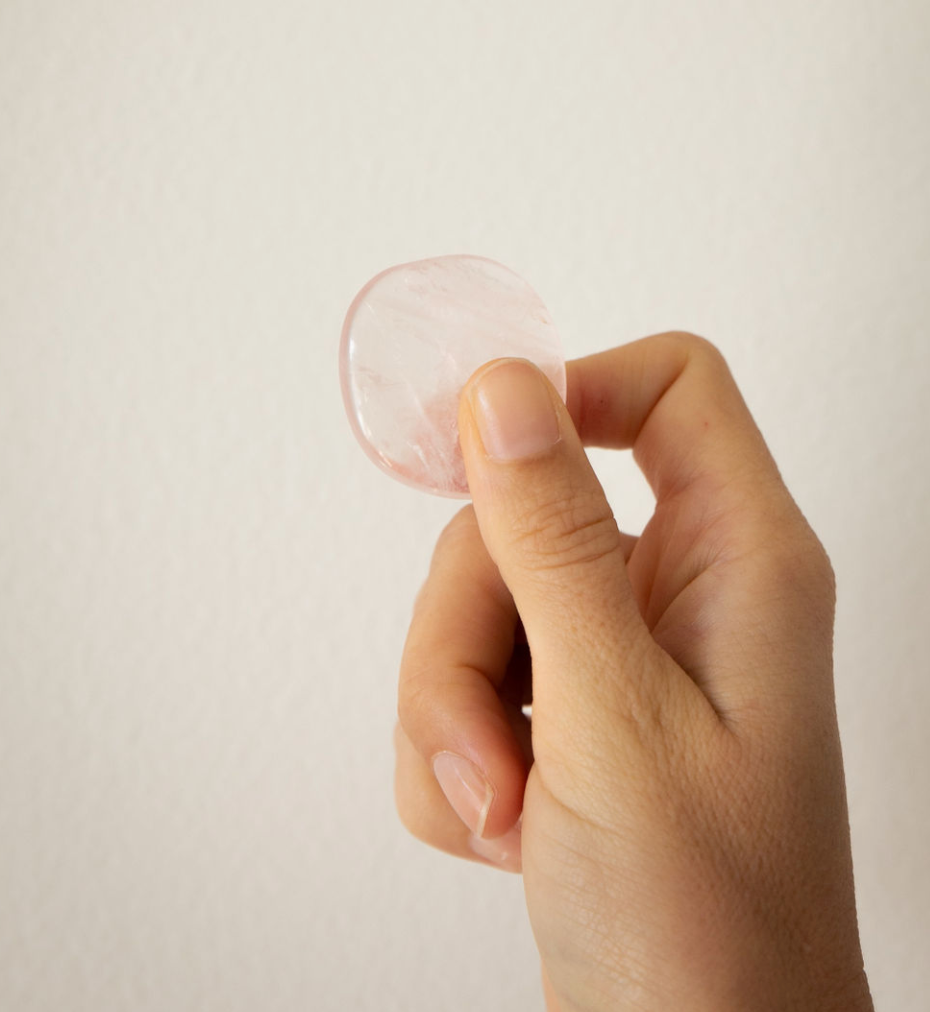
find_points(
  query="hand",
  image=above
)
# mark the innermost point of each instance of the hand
(679, 806)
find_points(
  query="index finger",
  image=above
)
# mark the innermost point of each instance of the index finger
(727, 557)
(651, 396)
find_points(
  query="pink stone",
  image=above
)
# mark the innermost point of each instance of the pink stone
(412, 338)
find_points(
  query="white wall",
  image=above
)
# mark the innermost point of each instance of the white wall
(204, 584)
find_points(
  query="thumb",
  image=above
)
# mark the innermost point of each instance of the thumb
(549, 528)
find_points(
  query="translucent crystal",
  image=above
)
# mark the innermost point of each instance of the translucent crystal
(412, 338)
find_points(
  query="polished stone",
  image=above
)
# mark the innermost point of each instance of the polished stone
(412, 338)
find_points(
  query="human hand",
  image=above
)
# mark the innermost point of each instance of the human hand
(683, 838)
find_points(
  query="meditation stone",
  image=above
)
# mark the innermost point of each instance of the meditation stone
(412, 338)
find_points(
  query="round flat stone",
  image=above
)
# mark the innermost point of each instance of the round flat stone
(412, 338)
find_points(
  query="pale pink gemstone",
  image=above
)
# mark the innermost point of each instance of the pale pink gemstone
(412, 338)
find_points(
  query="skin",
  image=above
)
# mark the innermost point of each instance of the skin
(677, 800)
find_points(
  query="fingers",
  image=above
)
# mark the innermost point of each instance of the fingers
(548, 527)
(464, 624)
(541, 542)
(426, 813)
(453, 684)
(672, 399)
(727, 558)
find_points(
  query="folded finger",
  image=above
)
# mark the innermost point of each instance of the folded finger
(458, 652)
(427, 815)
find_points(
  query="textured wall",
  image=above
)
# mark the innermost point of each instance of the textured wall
(204, 584)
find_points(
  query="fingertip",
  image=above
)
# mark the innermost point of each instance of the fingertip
(504, 852)
(513, 408)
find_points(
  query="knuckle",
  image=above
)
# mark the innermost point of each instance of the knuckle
(416, 701)
(410, 800)
(696, 352)
(813, 570)
(463, 525)
(797, 581)
(459, 539)
(574, 530)
(412, 813)
(816, 567)
(694, 346)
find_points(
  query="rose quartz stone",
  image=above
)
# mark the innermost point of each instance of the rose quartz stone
(412, 338)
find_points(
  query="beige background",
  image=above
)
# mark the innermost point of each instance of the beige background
(204, 584)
